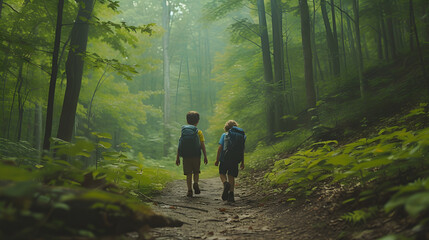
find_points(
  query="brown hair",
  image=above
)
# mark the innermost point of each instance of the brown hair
(229, 124)
(193, 117)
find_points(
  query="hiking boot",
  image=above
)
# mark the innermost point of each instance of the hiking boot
(231, 197)
(197, 188)
(226, 187)
(189, 193)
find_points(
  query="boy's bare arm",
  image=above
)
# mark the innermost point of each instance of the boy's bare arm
(177, 158)
(219, 150)
(203, 147)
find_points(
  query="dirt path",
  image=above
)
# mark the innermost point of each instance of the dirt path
(212, 218)
(206, 216)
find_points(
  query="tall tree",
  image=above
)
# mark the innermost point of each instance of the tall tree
(74, 68)
(54, 73)
(331, 40)
(362, 81)
(268, 71)
(390, 28)
(342, 37)
(419, 49)
(166, 72)
(279, 65)
(306, 46)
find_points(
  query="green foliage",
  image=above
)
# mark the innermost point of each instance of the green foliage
(393, 151)
(413, 197)
(35, 197)
(360, 216)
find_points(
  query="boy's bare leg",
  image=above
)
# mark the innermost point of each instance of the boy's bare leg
(222, 177)
(189, 181)
(196, 177)
(231, 181)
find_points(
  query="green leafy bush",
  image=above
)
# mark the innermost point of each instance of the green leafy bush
(52, 197)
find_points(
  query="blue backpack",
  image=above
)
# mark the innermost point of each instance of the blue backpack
(233, 149)
(189, 142)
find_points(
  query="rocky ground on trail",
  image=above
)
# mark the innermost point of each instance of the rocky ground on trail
(252, 216)
(260, 214)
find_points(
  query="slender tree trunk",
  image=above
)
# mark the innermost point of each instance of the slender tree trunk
(330, 38)
(362, 81)
(15, 93)
(177, 89)
(342, 37)
(335, 37)
(279, 71)
(74, 69)
(388, 7)
(385, 38)
(411, 26)
(54, 73)
(419, 49)
(268, 72)
(189, 81)
(351, 42)
(290, 89)
(89, 113)
(308, 62)
(166, 73)
(21, 104)
(37, 134)
(379, 44)
(426, 23)
(365, 46)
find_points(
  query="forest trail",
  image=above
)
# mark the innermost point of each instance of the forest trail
(206, 216)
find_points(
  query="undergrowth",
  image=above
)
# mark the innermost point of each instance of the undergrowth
(373, 167)
(56, 196)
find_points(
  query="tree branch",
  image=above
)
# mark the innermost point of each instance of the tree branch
(246, 26)
(351, 18)
(5, 3)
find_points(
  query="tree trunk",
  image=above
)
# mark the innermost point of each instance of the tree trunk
(379, 44)
(330, 38)
(426, 23)
(388, 8)
(362, 82)
(365, 46)
(37, 128)
(268, 72)
(15, 93)
(54, 73)
(335, 36)
(74, 69)
(419, 49)
(351, 42)
(391, 36)
(279, 71)
(342, 37)
(291, 92)
(166, 73)
(308, 62)
(385, 38)
(189, 81)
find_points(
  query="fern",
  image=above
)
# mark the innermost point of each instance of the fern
(360, 216)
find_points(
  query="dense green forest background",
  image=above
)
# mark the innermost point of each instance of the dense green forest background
(102, 87)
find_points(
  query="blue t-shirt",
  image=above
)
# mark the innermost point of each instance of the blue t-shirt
(222, 142)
